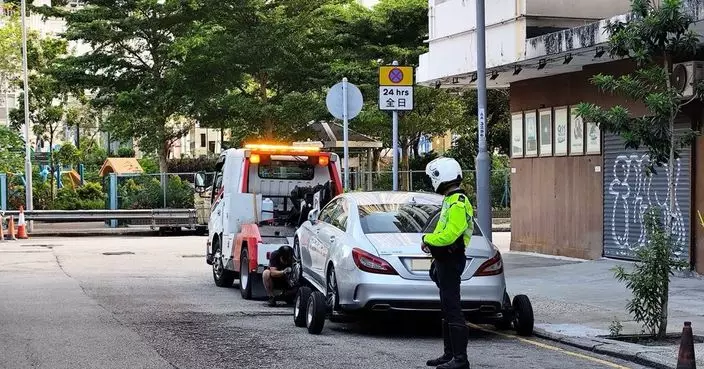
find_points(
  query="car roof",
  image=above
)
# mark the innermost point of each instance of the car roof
(393, 197)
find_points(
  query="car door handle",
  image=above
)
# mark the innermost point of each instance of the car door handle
(332, 239)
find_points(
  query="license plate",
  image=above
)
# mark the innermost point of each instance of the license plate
(420, 264)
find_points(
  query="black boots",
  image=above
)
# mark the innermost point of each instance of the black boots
(447, 356)
(459, 337)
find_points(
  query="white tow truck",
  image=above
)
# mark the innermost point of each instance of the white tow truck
(260, 195)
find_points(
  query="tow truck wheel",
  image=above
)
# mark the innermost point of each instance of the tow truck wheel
(245, 282)
(523, 319)
(221, 276)
(315, 313)
(300, 306)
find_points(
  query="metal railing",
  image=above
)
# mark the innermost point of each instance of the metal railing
(156, 217)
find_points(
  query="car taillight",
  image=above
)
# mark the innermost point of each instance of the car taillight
(493, 266)
(370, 263)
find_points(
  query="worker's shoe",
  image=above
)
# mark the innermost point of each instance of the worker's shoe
(459, 336)
(447, 346)
(272, 301)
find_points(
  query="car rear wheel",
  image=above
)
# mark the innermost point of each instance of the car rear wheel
(245, 282)
(315, 313)
(523, 319)
(300, 306)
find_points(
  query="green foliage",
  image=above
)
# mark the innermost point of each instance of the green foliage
(655, 32)
(67, 154)
(658, 34)
(650, 277)
(12, 152)
(145, 192)
(465, 147)
(10, 50)
(192, 165)
(132, 67)
(87, 197)
(149, 164)
(615, 328)
(125, 152)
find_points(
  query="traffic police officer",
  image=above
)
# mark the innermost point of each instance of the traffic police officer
(447, 246)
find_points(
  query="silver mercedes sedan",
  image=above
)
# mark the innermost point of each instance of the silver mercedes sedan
(362, 251)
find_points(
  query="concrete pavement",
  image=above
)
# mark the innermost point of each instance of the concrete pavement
(149, 302)
(576, 301)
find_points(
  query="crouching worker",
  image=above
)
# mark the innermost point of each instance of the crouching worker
(276, 276)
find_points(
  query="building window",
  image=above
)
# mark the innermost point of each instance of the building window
(211, 146)
(202, 140)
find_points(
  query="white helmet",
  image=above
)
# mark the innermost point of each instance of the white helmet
(444, 172)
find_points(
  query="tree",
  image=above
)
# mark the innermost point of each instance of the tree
(131, 67)
(48, 98)
(465, 147)
(655, 37)
(259, 67)
(12, 153)
(10, 53)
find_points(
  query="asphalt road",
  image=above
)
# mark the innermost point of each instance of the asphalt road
(151, 303)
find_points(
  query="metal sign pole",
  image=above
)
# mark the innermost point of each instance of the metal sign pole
(29, 205)
(395, 148)
(483, 159)
(345, 134)
(394, 140)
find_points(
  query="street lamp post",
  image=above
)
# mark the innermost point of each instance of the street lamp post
(28, 147)
(483, 159)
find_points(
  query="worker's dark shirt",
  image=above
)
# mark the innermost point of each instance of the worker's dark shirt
(275, 261)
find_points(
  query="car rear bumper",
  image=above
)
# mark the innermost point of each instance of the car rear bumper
(482, 295)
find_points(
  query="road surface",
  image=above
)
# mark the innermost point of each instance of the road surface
(150, 302)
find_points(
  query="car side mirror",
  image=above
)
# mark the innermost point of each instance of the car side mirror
(200, 182)
(313, 216)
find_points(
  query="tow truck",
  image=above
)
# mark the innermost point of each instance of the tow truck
(260, 195)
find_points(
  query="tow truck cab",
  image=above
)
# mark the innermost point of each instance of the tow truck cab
(260, 195)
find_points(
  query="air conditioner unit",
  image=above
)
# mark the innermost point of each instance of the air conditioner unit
(686, 75)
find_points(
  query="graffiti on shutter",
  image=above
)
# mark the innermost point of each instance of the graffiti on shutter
(629, 191)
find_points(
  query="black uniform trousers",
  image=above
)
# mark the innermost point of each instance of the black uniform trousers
(446, 272)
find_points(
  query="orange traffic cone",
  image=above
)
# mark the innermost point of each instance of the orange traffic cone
(11, 228)
(686, 360)
(22, 226)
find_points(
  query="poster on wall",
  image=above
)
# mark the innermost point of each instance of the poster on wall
(531, 135)
(576, 134)
(560, 131)
(546, 132)
(593, 139)
(517, 135)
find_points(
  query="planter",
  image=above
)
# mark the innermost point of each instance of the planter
(672, 339)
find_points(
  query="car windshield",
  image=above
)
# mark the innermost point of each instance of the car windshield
(401, 218)
(396, 218)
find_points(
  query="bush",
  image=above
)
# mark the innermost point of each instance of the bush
(125, 152)
(192, 165)
(149, 164)
(87, 197)
(650, 279)
(145, 192)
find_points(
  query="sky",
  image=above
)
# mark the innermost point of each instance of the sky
(369, 3)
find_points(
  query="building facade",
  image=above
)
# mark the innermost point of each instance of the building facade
(575, 191)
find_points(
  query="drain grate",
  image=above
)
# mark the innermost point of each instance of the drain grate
(193, 256)
(112, 253)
